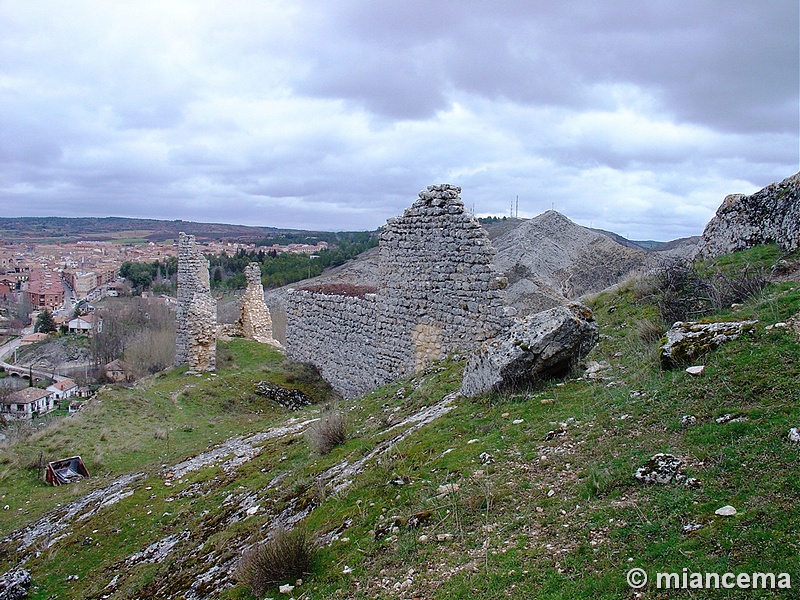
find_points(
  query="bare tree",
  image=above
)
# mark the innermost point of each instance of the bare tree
(143, 330)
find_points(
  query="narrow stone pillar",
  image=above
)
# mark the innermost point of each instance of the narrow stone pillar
(196, 336)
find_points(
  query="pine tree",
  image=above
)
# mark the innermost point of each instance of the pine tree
(45, 322)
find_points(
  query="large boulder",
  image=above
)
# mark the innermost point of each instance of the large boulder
(542, 345)
(687, 341)
(771, 215)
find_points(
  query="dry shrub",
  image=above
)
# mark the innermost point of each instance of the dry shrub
(151, 351)
(649, 331)
(644, 287)
(286, 557)
(327, 433)
(686, 294)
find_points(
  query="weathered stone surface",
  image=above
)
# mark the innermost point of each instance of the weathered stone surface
(14, 584)
(254, 321)
(437, 293)
(664, 468)
(545, 344)
(687, 341)
(287, 398)
(770, 215)
(196, 335)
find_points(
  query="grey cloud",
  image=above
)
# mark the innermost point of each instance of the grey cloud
(312, 114)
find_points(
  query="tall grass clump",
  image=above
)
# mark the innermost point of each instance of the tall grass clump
(327, 433)
(287, 557)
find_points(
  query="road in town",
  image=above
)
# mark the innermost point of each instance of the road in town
(9, 347)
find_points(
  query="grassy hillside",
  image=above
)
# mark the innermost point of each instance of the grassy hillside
(520, 495)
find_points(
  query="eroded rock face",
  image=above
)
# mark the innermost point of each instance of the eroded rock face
(687, 341)
(196, 335)
(255, 322)
(771, 215)
(14, 584)
(541, 345)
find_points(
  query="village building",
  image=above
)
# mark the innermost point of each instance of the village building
(33, 338)
(116, 371)
(85, 324)
(66, 388)
(45, 291)
(26, 403)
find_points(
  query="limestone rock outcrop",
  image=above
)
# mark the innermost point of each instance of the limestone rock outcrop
(254, 321)
(196, 335)
(14, 584)
(540, 345)
(771, 215)
(687, 341)
(550, 260)
(663, 469)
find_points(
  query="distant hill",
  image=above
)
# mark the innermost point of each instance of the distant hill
(72, 229)
(548, 260)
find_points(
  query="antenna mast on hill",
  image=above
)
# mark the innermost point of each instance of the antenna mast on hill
(517, 214)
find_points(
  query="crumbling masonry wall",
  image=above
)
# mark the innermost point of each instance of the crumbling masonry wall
(438, 294)
(196, 335)
(255, 322)
(337, 334)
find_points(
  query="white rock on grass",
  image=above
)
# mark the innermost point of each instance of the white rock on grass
(448, 488)
(688, 341)
(695, 370)
(726, 511)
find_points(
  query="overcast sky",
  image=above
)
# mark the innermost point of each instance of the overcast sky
(636, 116)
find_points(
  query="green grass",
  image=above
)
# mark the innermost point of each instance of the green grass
(554, 512)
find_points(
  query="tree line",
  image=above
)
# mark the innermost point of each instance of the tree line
(227, 272)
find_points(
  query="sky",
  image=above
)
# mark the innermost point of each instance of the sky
(635, 116)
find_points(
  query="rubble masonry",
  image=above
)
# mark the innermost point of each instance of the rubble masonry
(438, 294)
(196, 336)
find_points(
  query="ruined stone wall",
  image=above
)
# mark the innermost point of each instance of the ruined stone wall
(255, 322)
(437, 294)
(337, 334)
(438, 290)
(196, 335)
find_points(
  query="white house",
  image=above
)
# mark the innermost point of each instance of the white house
(85, 324)
(26, 403)
(66, 388)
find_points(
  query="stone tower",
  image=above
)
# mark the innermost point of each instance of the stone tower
(255, 322)
(196, 337)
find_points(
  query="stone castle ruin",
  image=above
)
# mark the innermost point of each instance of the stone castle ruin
(196, 335)
(438, 294)
(255, 322)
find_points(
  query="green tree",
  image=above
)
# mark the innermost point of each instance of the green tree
(140, 275)
(45, 322)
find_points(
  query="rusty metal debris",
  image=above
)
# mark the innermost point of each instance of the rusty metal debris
(64, 471)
